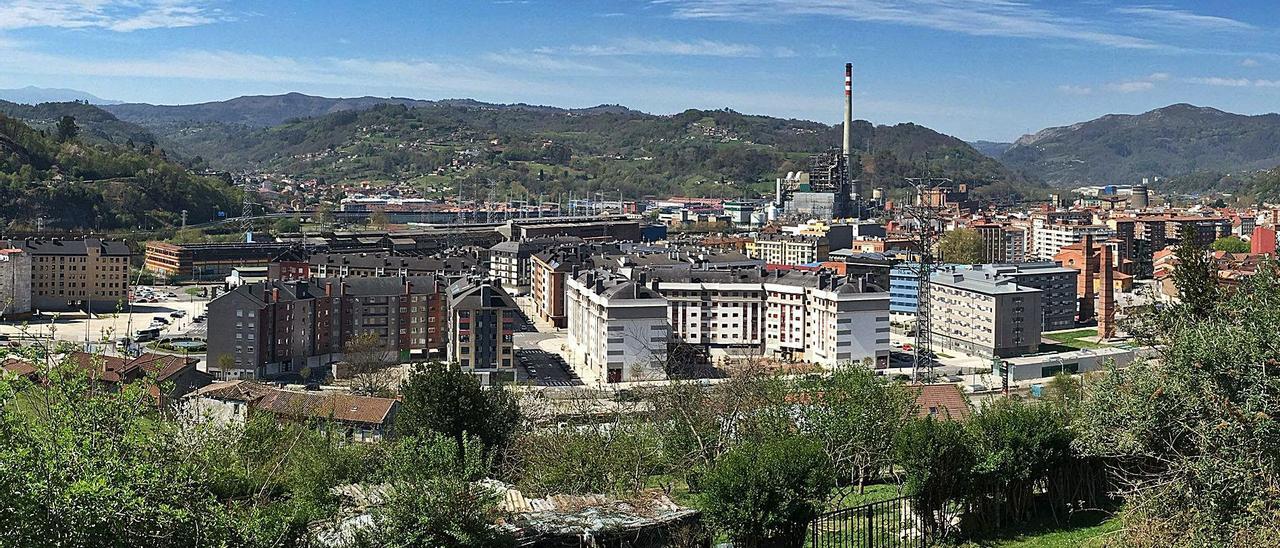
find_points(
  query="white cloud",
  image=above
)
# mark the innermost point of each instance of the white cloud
(638, 46)
(539, 61)
(1249, 62)
(115, 15)
(1182, 19)
(1009, 18)
(428, 77)
(1133, 86)
(1220, 81)
(1158, 76)
(1075, 90)
(1267, 83)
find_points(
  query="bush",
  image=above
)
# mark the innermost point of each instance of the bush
(938, 458)
(766, 493)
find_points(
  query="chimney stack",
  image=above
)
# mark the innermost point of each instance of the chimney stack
(848, 107)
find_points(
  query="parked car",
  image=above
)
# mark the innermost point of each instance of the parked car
(159, 319)
(178, 314)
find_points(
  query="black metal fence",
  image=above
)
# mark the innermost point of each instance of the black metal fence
(885, 524)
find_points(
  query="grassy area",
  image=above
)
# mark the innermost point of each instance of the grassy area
(1077, 339)
(1090, 530)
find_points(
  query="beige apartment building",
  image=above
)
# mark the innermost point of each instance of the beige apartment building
(981, 313)
(789, 249)
(77, 274)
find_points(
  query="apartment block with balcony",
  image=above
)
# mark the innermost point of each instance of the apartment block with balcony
(789, 249)
(984, 314)
(283, 328)
(77, 274)
(482, 323)
(617, 327)
(814, 317)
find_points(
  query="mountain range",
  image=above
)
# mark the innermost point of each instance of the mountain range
(1172, 141)
(710, 152)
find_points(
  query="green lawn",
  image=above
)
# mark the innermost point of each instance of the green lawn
(1075, 339)
(1091, 530)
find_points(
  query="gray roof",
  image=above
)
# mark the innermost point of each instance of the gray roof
(980, 281)
(56, 246)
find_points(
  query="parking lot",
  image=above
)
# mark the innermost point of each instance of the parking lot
(80, 327)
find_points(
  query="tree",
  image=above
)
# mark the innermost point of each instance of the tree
(226, 363)
(67, 129)
(432, 499)
(764, 494)
(856, 415)
(1195, 276)
(1230, 244)
(324, 214)
(288, 225)
(446, 400)
(1017, 445)
(962, 246)
(379, 219)
(1193, 436)
(938, 458)
(370, 365)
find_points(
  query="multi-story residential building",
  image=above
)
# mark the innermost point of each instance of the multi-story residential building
(790, 249)
(1015, 244)
(995, 248)
(276, 328)
(550, 271)
(1056, 283)
(904, 290)
(797, 315)
(617, 327)
(1050, 238)
(383, 263)
(510, 265)
(622, 228)
(77, 274)
(982, 314)
(15, 283)
(482, 322)
(1204, 229)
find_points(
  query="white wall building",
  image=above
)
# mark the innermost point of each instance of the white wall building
(1051, 238)
(803, 316)
(617, 327)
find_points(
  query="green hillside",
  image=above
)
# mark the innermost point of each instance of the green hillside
(543, 149)
(1172, 141)
(96, 125)
(80, 184)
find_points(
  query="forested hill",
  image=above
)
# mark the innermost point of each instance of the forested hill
(1168, 142)
(76, 184)
(96, 125)
(270, 110)
(547, 149)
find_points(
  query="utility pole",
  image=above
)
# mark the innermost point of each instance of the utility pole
(184, 219)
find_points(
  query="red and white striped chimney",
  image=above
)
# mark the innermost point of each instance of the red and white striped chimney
(848, 106)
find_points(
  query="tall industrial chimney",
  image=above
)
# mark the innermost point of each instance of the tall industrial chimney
(848, 107)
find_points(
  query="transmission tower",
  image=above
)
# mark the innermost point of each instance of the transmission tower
(925, 235)
(246, 215)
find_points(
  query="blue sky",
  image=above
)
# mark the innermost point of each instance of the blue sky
(977, 69)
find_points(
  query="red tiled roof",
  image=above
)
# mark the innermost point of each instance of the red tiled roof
(20, 368)
(335, 406)
(942, 400)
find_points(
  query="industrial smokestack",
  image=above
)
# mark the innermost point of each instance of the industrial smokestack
(848, 107)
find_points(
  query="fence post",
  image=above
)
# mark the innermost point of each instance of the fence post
(871, 526)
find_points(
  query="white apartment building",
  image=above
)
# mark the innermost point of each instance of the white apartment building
(817, 318)
(617, 327)
(1049, 239)
(15, 283)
